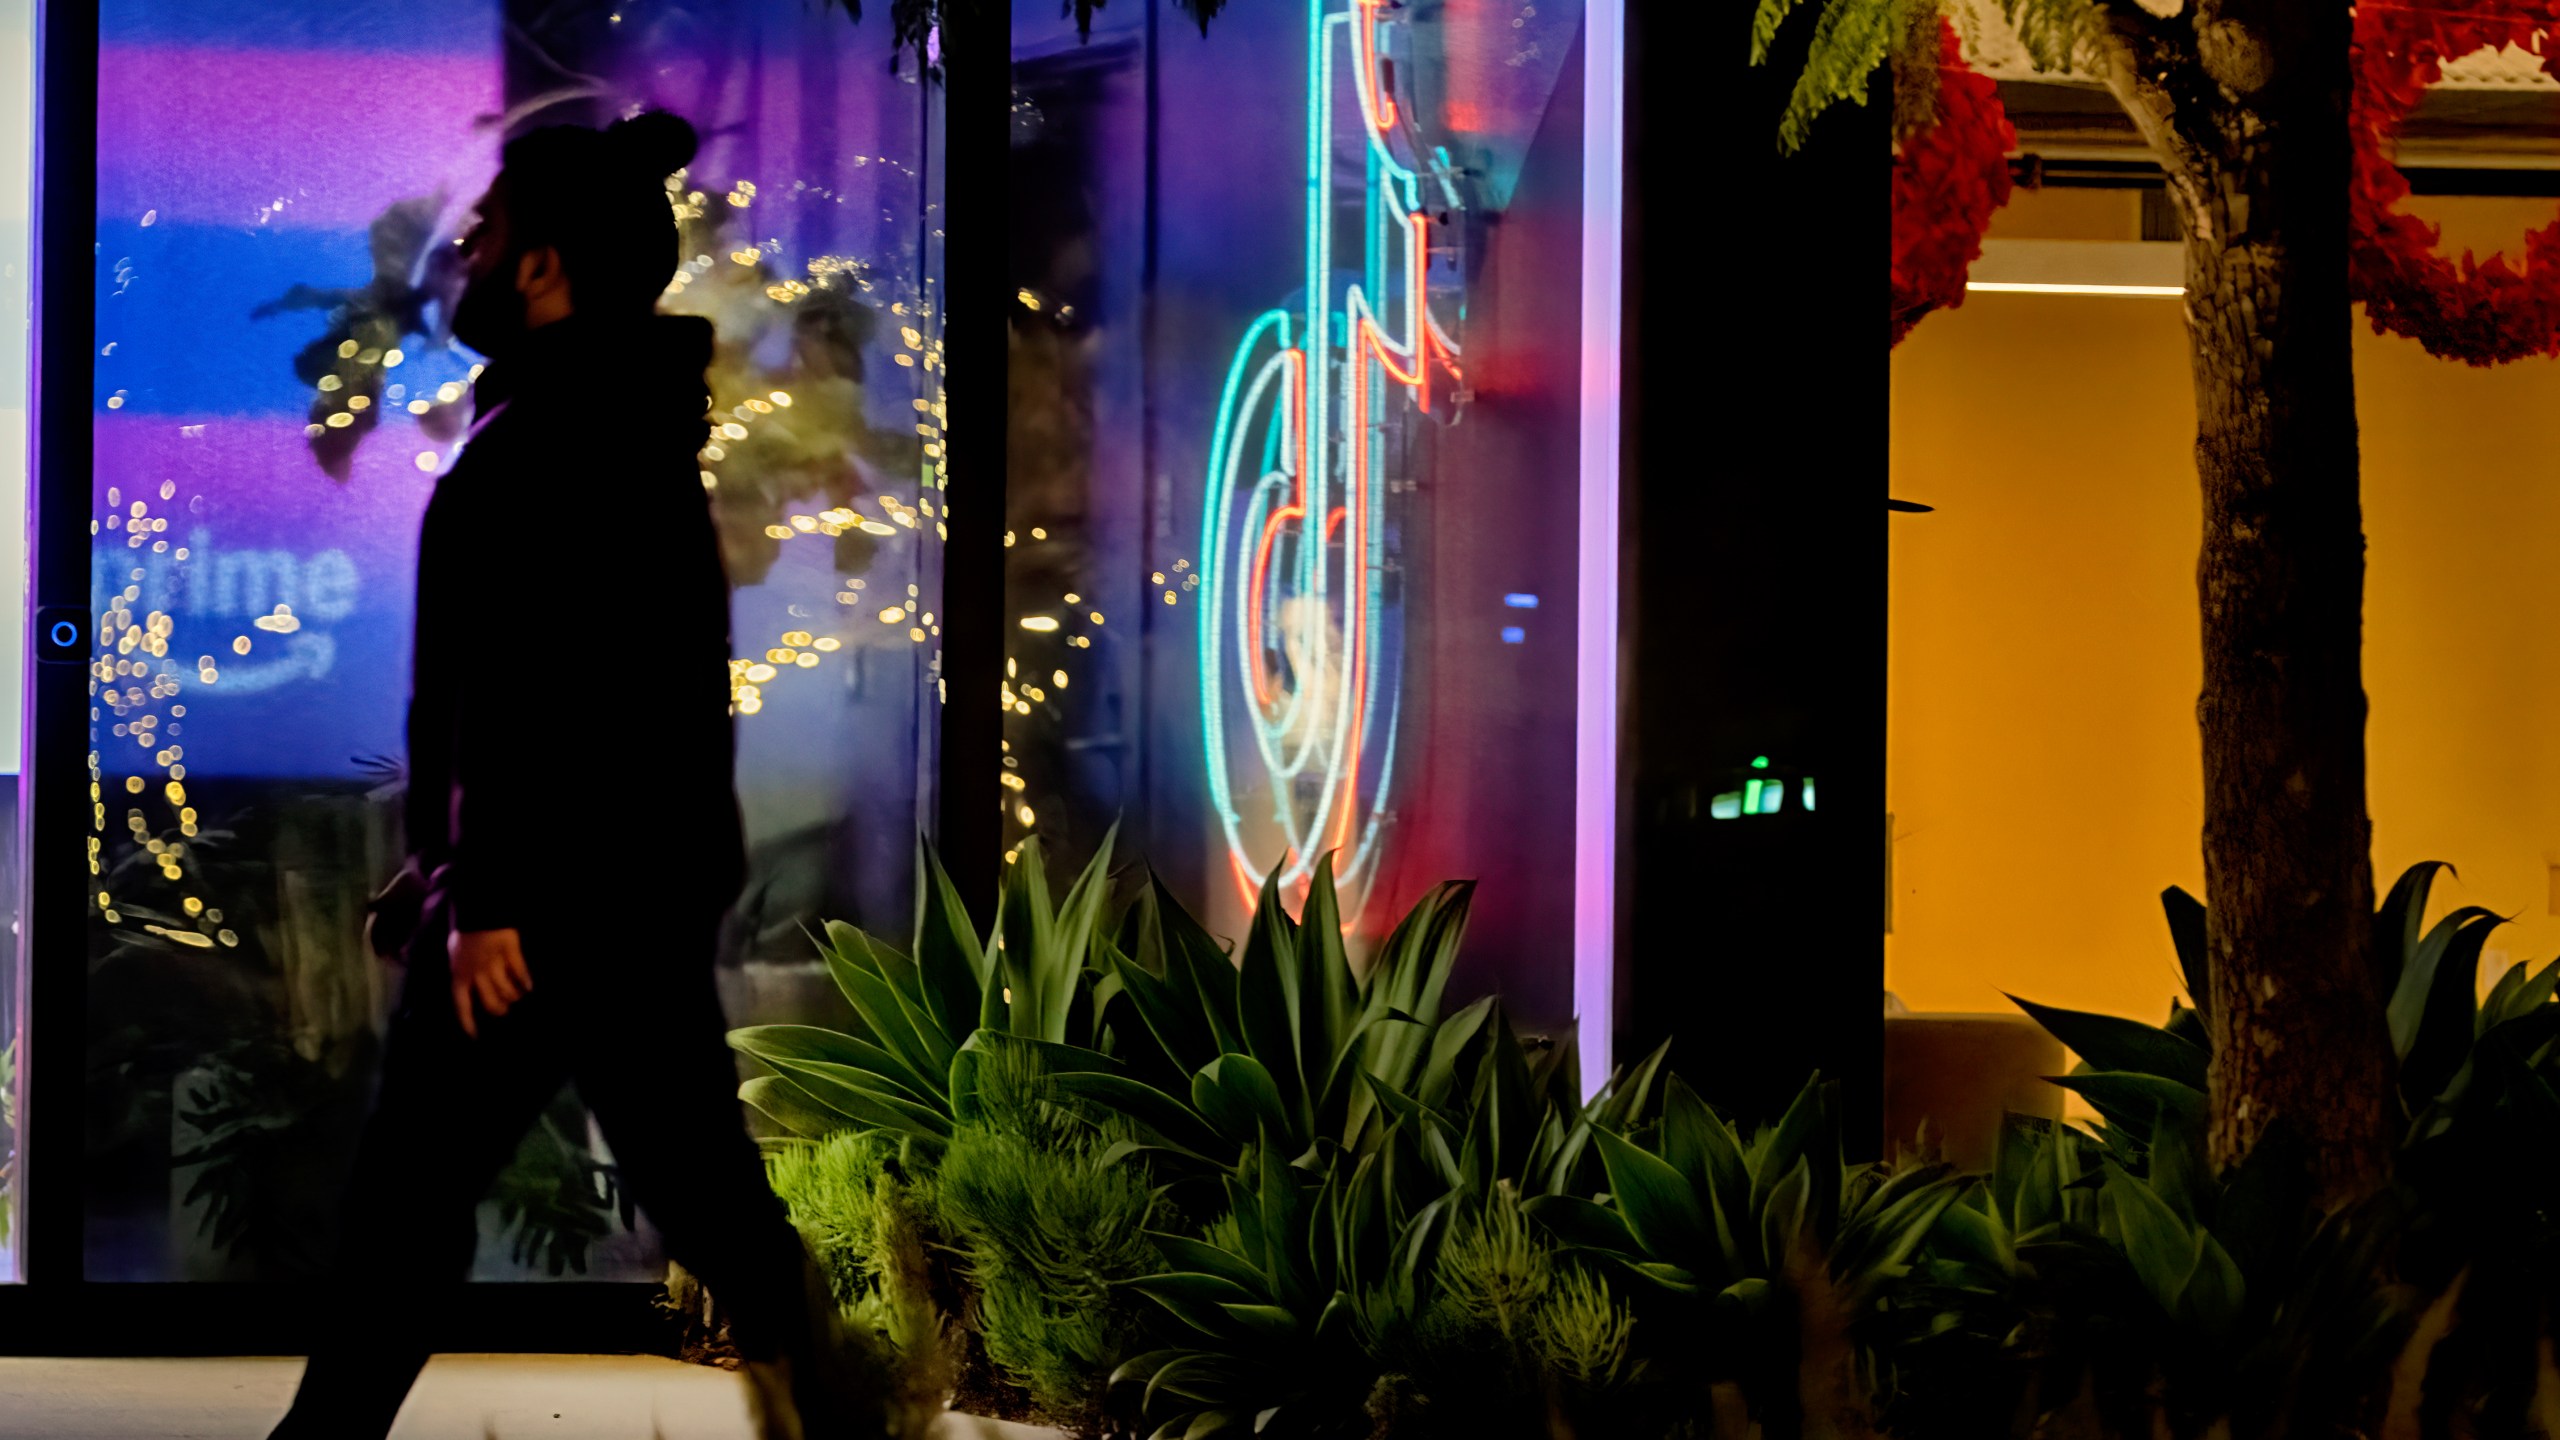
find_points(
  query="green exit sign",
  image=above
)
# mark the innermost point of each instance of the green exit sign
(1763, 791)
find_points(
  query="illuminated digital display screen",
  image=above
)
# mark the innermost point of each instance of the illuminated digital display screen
(17, 173)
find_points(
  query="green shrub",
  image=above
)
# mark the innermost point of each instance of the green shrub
(868, 1233)
(1585, 1333)
(1493, 1281)
(1516, 1333)
(1051, 1228)
(830, 1186)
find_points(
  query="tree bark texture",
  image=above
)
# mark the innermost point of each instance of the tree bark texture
(2245, 102)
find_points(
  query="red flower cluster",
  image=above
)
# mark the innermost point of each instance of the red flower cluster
(2486, 312)
(1946, 182)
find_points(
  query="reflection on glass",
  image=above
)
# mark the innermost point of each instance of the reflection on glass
(276, 388)
(1295, 449)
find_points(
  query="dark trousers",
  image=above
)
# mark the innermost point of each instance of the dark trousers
(628, 1012)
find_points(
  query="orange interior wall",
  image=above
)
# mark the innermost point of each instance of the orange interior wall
(2042, 765)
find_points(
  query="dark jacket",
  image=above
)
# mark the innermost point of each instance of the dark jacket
(570, 742)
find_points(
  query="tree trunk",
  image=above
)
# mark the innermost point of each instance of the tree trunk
(2246, 105)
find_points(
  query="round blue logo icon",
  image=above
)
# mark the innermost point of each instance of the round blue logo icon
(64, 634)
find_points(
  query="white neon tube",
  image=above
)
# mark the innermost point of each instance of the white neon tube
(2026, 287)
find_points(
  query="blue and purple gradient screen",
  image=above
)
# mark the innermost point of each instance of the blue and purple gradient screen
(246, 149)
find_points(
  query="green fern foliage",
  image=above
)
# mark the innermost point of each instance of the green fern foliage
(2056, 34)
(1851, 41)
(1766, 20)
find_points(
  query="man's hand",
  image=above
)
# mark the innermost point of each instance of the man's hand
(487, 965)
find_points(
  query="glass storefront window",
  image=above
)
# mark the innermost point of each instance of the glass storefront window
(17, 134)
(275, 389)
(1296, 454)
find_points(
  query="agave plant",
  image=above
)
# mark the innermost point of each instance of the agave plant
(1706, 1216)
(930, 1012)
(2130, 1072)
(2067, 1291)
(1776, 1247)
(1326, 1274)
(2470, 1216)
(1267, 1303)
(1288, 1039)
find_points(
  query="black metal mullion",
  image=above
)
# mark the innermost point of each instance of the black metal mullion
(53, 803)
(977, 152)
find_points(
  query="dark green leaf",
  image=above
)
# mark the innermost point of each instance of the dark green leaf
(1268, 1003)
(1775, 1151)
(1660, 1209)
(780, 1045)
(1783, 1226)
(1576, 1221)
(2161, 1250)
(790, 1107)
(949, 959)
(1140, 1367)
(1201, 1257)
(2181, 1174)
(1266, 1322)
(1440, 1075)
(1326, 987)
(2131, 1102)
(2211, 1297)
(1240, 1100)
(1196, 1299)
(1149, 1107)
(865, 1099)
(897, 1026)
(1169, 1014)
(2187, 933)
(2397, 924)
(2433, 1010)
(1196, 966)
(2109, 1042)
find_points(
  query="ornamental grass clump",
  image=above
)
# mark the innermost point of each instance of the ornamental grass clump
(1516, 1333)
(864, 1228)
(1052, 1229)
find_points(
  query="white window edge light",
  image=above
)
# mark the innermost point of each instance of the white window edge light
(1595, 720)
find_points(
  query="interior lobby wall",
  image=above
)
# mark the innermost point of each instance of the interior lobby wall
(2042, 761)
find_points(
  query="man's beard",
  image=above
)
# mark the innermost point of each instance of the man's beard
(490, 315)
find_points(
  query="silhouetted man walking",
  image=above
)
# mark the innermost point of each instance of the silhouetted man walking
(573, 830)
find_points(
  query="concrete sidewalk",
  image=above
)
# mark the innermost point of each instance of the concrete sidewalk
(461, 1397)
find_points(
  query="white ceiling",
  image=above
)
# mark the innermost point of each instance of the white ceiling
(1992, 48)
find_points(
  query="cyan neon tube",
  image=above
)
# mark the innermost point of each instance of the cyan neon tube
(1301, 704)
